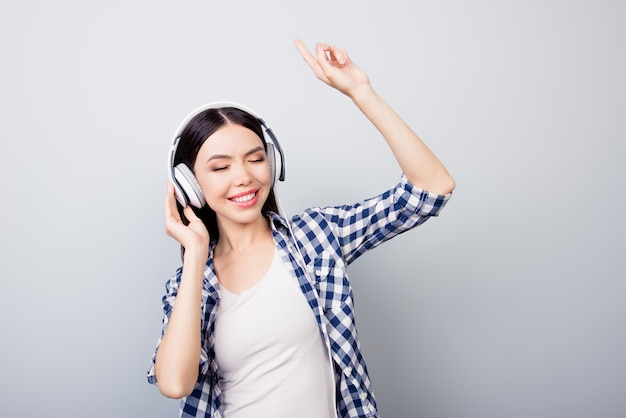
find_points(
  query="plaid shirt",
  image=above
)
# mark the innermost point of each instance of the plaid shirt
(329, 239)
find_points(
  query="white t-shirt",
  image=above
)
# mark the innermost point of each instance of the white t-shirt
(272, 359)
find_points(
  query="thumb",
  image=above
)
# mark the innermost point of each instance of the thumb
(190, 214)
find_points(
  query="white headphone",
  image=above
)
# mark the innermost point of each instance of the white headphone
(186, 186)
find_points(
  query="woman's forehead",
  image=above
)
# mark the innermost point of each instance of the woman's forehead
(232, 138)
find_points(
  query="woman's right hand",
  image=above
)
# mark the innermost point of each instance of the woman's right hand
(189, 236)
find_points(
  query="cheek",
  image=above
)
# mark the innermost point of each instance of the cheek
(264, 173)
(211, 185)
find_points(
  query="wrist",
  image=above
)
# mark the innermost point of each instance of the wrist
(196, 254)
(362, 94)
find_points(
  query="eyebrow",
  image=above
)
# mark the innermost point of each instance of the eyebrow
(224, 156)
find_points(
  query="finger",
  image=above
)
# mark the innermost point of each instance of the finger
(171, 212)
(304, 52)
(302, 49)
(196, 224)
(190, 214)
(325, 58)
(335, 55)
(310, 60)
(341, 55)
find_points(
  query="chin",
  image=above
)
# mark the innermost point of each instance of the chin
(242, 216)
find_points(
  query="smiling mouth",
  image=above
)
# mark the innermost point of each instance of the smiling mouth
(245, 198)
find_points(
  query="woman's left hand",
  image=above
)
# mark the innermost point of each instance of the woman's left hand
(334, 67)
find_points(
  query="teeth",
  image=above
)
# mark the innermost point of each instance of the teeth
(242, 199)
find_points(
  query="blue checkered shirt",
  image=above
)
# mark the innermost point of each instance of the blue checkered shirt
(329, 239)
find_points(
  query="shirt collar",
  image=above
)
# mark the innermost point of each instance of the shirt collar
(277, 222)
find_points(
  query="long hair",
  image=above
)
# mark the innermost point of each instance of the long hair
(198, 130)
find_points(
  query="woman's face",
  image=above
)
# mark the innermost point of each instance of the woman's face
(234, 174)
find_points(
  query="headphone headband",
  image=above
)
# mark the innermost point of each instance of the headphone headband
(212, 105)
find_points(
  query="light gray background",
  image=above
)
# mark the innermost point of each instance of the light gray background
(510, 304)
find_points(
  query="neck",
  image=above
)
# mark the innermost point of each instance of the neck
(236, 237)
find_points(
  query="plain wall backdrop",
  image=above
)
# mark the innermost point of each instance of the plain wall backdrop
(510, 304)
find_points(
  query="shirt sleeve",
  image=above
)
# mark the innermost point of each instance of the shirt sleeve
(169, 299)
(365, 225)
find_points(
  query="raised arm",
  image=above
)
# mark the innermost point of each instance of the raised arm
(334, 67)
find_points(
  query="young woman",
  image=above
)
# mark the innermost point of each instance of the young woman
(258, 321)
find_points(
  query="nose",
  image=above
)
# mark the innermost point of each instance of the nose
(241, 175)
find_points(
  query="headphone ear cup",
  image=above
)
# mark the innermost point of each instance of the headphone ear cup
(271, 159)
(189, 185)
(180, 195)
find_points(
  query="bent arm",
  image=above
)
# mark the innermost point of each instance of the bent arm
(178, 356)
